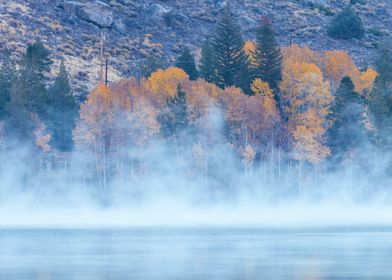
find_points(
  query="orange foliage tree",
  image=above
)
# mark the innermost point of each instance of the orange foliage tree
(366, 83)
(307, 98)
(250, 48)
(301, 54)
(163, 84)
(93, 130)
(338, 64)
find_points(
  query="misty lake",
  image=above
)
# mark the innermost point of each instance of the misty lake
(196, 253)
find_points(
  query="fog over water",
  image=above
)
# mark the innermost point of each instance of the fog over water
(167, 189)
(175, 199)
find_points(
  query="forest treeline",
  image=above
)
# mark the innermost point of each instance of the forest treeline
(286, 106)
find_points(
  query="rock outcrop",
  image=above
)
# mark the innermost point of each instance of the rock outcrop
(96, 12)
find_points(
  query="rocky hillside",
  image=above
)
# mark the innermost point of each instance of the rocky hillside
(136, 28)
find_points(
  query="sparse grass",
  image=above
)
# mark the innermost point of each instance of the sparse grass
(18, 7)
(56, 26)
(322, 9)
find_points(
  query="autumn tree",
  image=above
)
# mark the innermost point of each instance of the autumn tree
(267, 55)
(366, 82)
(236, 108)
(186, 61)
(42, 135)
(62, 111)
(337, 65)
(251, 120)
(163, 84)
(347, 132)
(266, 104)
(307, 98)
(93, 130)
(200, 97)
(248, 157)
(296, 53)
(134, 125)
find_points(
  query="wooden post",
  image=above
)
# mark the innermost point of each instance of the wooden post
(101, 56)
(106, 71)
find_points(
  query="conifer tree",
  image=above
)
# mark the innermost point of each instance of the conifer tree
(34, 68)
(346, 25)
(347, 131)
(186, 61)
(174, 120)
(150, 64)
(268, 64)
(380, 103)
(7, 78)
(229, 59)
(62, 111)
(19, 125)
(207, 68)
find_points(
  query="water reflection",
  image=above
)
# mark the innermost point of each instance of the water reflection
(196, 253)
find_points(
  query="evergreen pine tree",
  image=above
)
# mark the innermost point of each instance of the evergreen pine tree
(174, 121)
(229, 59)
(7, 77)
(380, 103)
(186, 61)
(150, 64)
(347, 132)
(207, 68)
(19, 125)
(346, 25)
(34, 68)
(268, 56)
(62, 111)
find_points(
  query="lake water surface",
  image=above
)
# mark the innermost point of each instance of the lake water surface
(203, 253)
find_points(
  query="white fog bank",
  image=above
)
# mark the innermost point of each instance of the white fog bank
(174, 213)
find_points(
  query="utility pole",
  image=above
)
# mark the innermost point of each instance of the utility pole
(103, 60)
(106, 72)
(101, 57)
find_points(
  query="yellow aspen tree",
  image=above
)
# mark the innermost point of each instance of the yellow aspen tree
(42, 136)
(268, 121)
(163, 84)
(236, 109)
(262, 91)
(296, 53)
(135, 118)
(93, 130)
(248, 157)
(308, 135)
(307, 98)
(337, 65)
(201, 96)
(367, 80)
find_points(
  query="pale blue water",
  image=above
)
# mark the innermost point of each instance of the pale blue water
(196, 253)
